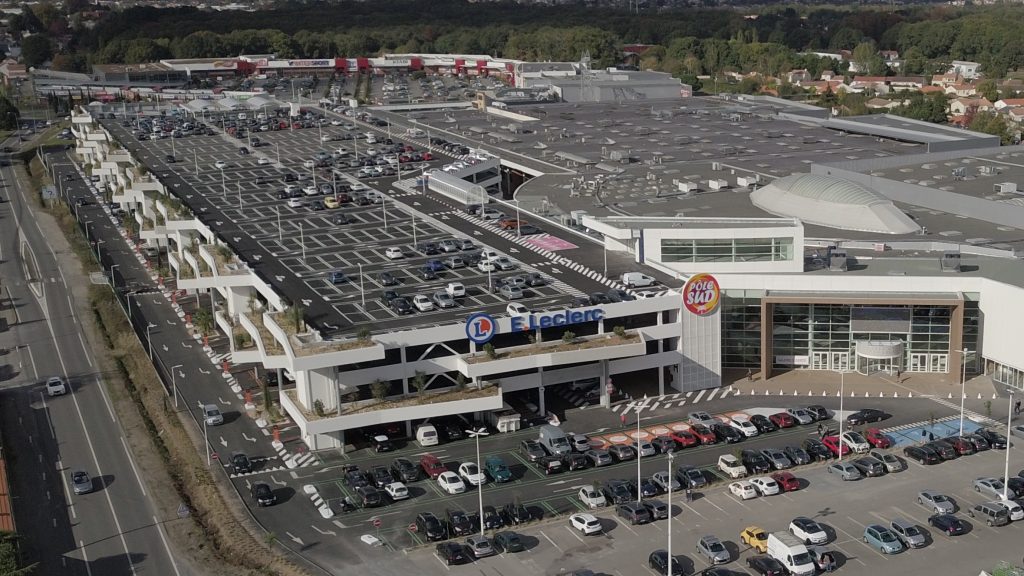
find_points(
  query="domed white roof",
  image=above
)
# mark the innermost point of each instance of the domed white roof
(832, 202)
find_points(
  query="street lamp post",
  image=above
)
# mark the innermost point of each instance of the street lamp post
(113, 281)
(362, 292)
(963, 386)
(149, 340)
(1006, 466)
(671, 457)
(174, 383)
(476, 434)
(639, 408)
(519, 222)
(842, 388)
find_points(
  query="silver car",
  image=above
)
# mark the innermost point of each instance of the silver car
(443, 300)
(845, 470)
(511, 292)
(702, 418)
(993, 487)
(908, 533)
(81, 482)
(777, 458)
(212, 415)
(936, 502)
(644, 448)
(800, 415)
(890, 461)
(712, 548)
(480, 546)
(662, 480)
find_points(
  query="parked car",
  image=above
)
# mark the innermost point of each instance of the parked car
(451, 553)
(845, 471)
(948, 524)
(621, 452)
(865, 416)
(711, 548)
(936, 502)
(808, 531)
(921, 455)
(598, 457)
(508, 542)
(882, 539)
(532, 450)
(497, 469)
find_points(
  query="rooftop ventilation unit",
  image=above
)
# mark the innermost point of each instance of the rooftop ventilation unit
(950, 262)
(837, 262)
(1005, 188)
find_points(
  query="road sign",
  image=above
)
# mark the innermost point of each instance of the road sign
(412, 527)
(376, 522)
(215, 456)
(183, 511)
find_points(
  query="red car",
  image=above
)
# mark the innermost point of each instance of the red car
(703, 433)
(684, 439)
(432, 466)
(833, 444)
(427, 156)
(787, 481)
(782, 420)
(962, 446)
(876, 438)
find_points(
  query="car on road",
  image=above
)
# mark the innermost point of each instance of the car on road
(921, 455)
(711, 548)
(766, 566)
(756, 538)
(690, 476)
(890, 461)
(948, 524)
(479, 546)
(472, 474)
(765, 486)
(212, 415)
(598, 457)
(430, 527)
(865, 416)
(877, 438)
(856, 442)
(262, 494)
(658, 561)
(497, 469)
(621, 452)
(508, 542)
(743, 490)
(663, 480)
(81, 482)
(532, 450)
(787, 482)
(808, 531)
(240, 462)
(936, 502)
(451, 483)
(432, 466)
(801, 415)
(993, 487)
(882, 539)
(845, 471)
(592, 497)
(451, 553)
(55, 386)
(587, 524)
(908, 532)
(458, 523)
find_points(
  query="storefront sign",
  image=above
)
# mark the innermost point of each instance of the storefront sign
(311, 63)
(793, 360)
(481, 327)
(701, 294)
(551, 320)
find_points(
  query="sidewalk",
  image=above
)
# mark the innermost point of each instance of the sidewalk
(815, 383)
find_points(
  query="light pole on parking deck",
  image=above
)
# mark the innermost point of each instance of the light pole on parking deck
(1006, 466)
(174, 383)
(476, 434)
(149, 339)
(671, 457)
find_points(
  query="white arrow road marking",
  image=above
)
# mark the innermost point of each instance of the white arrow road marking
(325, 532)
(294, 539)
(248, 485)
(223, 402)
(513, 250)
(276, 481)
(184, 345)
(201, 370)
(557, 483)
(223, 442)
(577, 487)
(253, 440)
(165, 348)
(339, 524)
(169, 322)
(181, 374)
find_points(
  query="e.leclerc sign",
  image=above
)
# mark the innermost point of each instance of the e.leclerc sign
(481, 327)
(701, 294)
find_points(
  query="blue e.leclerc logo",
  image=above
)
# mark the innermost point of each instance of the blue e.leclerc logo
(481, 327)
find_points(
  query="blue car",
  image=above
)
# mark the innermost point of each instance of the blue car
(336, 277)
(883, 539)
(435, 265)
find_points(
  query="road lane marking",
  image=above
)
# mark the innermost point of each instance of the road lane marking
(163, 538)
(106, 401)
(67, 491)
(132, 463)
(81, 546)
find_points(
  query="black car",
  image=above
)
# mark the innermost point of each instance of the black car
(726, 434)
(532, 450)
(755, 462)
(617, 491)
(664, 444)
(289, 177)
(691, 476)
(451, 429)
(426, 273)
(979, 442)
(766, 566)
(451, 553)
(599, 298)
(401, 305)
(994, 439)
(380, 476)
(797, 455)
(458, 523)
(948, 524)
(387, 279)
(818, 412)
(549, 464)
(1015, 484)
(658, 561)
(921, 455)
(575, 461)
(508, 541)
(617, 295)
(816, 450)
(865, 415)
(382, 443)
(369, 497)
(240, 462)
(405, 470)
(763, 424)
(492, 520)
(430, 527)
(515, 514)
(262, 495)
(169, 158)
(944, 450)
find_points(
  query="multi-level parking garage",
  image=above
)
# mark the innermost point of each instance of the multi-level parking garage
(893, 251)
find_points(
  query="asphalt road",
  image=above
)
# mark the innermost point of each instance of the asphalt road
(115, 529)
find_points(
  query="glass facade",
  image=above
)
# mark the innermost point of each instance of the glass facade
(726, 250)
(741, 329)
(1007, 375)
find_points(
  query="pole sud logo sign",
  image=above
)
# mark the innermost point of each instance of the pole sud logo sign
(481, 327)
(701, 294)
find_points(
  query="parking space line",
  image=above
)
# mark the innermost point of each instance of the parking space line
(855, 539)
(733, 498)
(574, 534)
(628, 527)
(720, 509)
(443, 563)
(692, 510)
(548, 538)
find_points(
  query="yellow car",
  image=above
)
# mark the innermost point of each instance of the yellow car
(756, 538)
(331, 202)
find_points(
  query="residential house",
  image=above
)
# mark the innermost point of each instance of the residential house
(967, 69)
(1008, 103)
(11, 71)
(828, 75)
(798, 76)
(947, 79)
(882, 104)
(928, 90)
(961, 90)
(961, 106)
(886, 84)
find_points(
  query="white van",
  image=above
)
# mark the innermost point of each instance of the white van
(554, 440)
(636, 280)
(792, 553)
(426, 435)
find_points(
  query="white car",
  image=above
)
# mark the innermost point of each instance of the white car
(486, 266)
(472, 473)
(517, 309)
(586, 523)
(451, 483)
(808, 531)
(220, 164)
(592, 497)
(455, 289)
(856, 442)
(263, 161)
(394, 253)
(336, 122)
(309, 164)
(55, 386)
(800, 415)
(744, 425)
(1015, 510)
(743, 489)
(662, 479)
(422, 303)
(765, 486)
(397, 491)
(643, 448)
(294, 203)
(310, 190)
